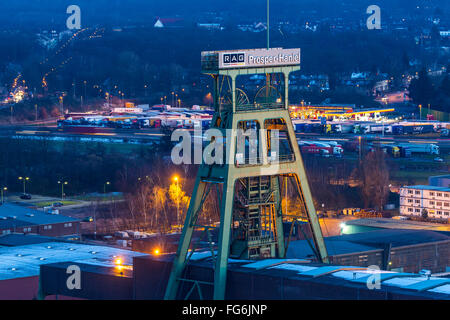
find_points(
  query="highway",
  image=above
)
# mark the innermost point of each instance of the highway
(154, 134)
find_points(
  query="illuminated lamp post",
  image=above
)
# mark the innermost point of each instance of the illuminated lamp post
(62, 188)
(4, 189)
(104, 186)
(24, 183)
(178, 200)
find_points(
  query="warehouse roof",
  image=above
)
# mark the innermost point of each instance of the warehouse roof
(366, 241)
(442, 176)
(28, 216)
(387, 223)
(302, 274)
(396, 237)
(24, 261)
(300, 249)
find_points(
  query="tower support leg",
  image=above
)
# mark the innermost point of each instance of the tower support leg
(226, 215)
(185, 241)
(278, 217)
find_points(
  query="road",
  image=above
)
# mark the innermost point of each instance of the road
(154, 134)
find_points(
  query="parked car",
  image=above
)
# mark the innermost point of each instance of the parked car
(438, 159)
(25, 196)
(88, 219)
(57, 204)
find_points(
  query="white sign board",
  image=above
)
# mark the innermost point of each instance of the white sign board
(127, 110)
(254, 58)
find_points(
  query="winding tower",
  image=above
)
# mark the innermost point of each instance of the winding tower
(249, 187)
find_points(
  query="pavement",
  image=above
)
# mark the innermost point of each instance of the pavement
(332, 226)
(36, 199)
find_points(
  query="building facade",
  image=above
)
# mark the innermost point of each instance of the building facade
(435, 200)
(19, 219)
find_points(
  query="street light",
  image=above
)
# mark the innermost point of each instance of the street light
(4, 189)
(62, 188)
(24, 182)
(176, 178)
(359, 140)
(104, 186)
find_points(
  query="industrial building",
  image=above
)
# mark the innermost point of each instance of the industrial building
(22, 255)
(20, 219)
(391, 249)
(440, 181)
(25, 258)
(420, 199)
(362, 244)
(269, 279)
(372, 224)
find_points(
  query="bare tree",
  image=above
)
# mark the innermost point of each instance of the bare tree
(375, 179)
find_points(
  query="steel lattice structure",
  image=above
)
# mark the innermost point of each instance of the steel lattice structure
(249, 192)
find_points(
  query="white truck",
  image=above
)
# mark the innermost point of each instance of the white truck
(420, 147)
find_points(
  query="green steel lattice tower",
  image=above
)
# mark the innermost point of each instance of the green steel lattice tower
(249, 192)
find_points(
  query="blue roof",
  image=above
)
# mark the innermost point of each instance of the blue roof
(300, 249)
(366, 241)
(27, 216)
(25, 260)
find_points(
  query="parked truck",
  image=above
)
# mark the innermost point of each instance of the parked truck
(392, 150)
(399, 129)
(420, 147)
